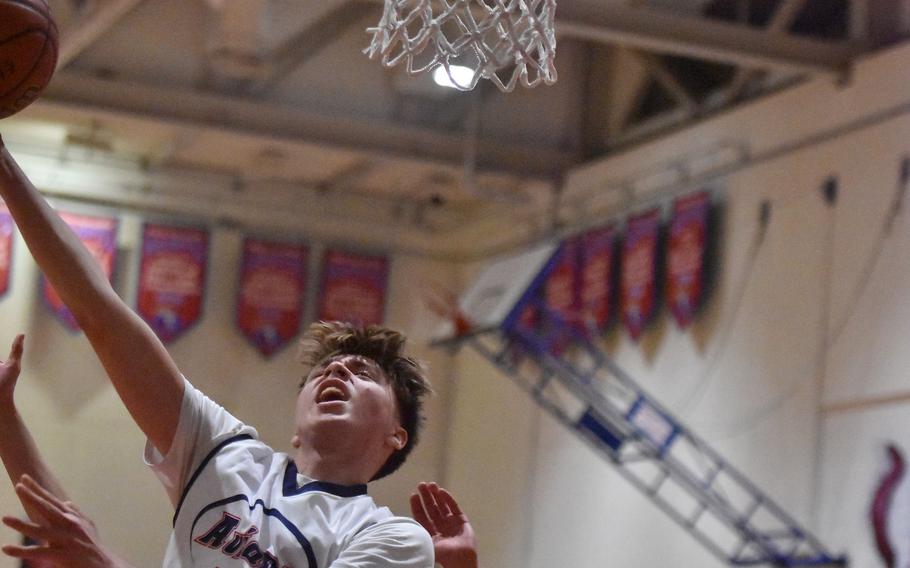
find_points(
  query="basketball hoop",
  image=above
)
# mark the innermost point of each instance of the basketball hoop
(505, 41)
(444, 303)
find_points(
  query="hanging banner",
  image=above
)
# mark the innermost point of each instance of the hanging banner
(560, 296)
(638, 285)
(561, 287)
(273, 280)
(353, 288)
(6, 248)
(172, 278)
(99, 236)
(686, 256)
(596, 282)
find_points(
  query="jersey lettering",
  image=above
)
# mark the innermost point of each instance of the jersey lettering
(237, 544)
(216, 535)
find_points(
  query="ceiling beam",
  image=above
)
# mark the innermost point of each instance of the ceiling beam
(88, 29)
(786, 13)
(667, 80)
(376, 138)
(308, 42)
(701, 38)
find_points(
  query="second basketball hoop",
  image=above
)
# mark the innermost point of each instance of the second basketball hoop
(505, 41)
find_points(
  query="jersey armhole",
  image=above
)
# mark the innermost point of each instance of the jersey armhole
(202, 466)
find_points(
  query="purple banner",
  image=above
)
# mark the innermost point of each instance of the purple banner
(686, 256)
(597, 275)
(272, 290)
(560, 295)
(172, 278)
(353, 288)
(6, 248)
(99, 235)
(638, 285)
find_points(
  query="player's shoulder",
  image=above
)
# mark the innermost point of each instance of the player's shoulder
(402, 530)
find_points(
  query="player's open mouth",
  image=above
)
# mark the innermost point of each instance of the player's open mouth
(331, 393)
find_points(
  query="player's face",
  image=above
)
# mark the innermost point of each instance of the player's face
(352, 395)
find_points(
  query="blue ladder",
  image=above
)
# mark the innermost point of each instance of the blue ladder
(581, 387)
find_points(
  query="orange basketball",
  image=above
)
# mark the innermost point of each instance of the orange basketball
(28, 52)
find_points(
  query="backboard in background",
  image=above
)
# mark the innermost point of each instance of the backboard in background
(489, 299)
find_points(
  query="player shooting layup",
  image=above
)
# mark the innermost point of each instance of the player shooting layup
(238, 502)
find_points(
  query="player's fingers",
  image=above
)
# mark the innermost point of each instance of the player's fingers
(15, 351)
(29, 529)
(30, 493)
(420, 515)
(428, 494)
(35, 553)
(43, 492)
(450, 502)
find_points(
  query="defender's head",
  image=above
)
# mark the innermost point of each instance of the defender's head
(361, 393)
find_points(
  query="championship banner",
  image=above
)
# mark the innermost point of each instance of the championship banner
(6, 248)
(686, 256)
(172, 274)
(562, 285)
(99, 235)
(353, 288)
(638, 284)
(273, 280)
(597, 275)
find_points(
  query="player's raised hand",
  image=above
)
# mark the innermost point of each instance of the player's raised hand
(9, 372)
(453, 537)
(69, 538)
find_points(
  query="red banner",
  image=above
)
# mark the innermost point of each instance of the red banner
(596, 292)
(272, 290)
(172, 278)
(6, 248)
(562, 285)
(686, 256)
(353, 287)
(99, 235)
(638, 286)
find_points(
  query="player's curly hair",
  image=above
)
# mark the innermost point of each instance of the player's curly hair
(326, 339)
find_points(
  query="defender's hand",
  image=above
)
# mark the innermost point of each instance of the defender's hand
(453, 537)
(68, 538)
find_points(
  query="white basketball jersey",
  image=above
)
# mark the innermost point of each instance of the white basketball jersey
(241, 504)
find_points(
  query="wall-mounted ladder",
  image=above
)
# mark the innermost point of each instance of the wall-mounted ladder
(580, 386)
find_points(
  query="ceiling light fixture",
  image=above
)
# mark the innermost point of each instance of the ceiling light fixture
(461, 75)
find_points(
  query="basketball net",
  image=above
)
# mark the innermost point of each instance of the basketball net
(505, 41)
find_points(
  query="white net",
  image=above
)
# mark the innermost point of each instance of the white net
(505, 41)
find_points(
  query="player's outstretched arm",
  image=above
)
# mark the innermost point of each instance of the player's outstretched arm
(74, 536)
(138, 365)
(453, 537)
(68, 538)
(18, 451)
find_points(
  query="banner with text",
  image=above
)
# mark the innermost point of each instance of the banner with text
(561, 295)
(353, 287)
(561, 290)
(99, 235)
(638, 283)
(172, 274)
(686, 256)
(6, 248)
(273, 279)
(597, 278)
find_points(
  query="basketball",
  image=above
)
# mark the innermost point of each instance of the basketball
(28, 52)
